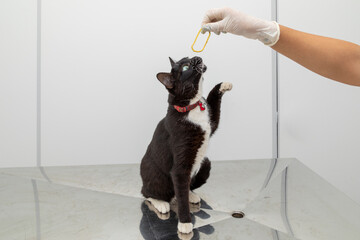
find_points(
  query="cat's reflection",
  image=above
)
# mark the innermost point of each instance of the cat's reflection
(157, 226)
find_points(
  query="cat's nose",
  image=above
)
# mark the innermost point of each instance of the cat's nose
(197, 59)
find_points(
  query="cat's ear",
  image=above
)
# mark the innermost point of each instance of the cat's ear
(172, 62)
(166, 79)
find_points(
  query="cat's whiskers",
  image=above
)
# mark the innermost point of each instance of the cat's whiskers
(198, 69)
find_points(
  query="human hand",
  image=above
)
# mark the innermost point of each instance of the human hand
(223, 20)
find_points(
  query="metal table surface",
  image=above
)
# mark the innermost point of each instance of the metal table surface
(280, 198)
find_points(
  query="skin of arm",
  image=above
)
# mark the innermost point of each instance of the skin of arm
(332, 58)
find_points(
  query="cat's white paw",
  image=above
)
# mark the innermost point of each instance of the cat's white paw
(185, 227)
(161, 216)
(193, 198)
(194, 208)
(161, 206)
(225, 86)
(183, 236)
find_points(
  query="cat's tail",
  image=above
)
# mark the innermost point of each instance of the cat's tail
(200, 178)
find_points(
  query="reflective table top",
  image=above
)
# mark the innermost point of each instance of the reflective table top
(276, 199)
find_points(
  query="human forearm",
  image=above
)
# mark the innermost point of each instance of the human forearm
(332, 58)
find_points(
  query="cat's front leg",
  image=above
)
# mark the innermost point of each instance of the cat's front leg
(214, 102)
(181, 183)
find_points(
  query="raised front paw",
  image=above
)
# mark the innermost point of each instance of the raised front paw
(225, 86)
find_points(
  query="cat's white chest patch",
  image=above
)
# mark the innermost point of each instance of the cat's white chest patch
(202, 119)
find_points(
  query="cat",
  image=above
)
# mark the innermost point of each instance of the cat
(175, 162)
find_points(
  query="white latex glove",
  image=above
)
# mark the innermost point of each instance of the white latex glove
(223, 20)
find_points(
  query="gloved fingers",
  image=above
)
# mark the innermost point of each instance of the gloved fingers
(205, 29)
(213, 15)
(216, 27)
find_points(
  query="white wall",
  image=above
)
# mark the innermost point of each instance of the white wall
(17, 82)
(320, 118)
(99, 61)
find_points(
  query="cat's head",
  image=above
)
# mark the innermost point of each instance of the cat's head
(184, 81)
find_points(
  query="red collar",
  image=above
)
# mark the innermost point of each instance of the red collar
(190, 107)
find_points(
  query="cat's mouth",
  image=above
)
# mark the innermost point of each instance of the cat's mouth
(198, 65)
(204, 68)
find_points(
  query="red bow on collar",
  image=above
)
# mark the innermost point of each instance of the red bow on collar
(190, 107)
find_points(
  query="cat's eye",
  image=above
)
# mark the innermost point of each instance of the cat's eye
(185, 68)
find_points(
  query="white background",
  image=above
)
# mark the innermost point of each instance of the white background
(100, 100)
(18, 83)
(320, 118)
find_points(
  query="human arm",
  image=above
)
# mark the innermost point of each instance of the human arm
(332, 58)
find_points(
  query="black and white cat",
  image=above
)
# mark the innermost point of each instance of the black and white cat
(175, 162)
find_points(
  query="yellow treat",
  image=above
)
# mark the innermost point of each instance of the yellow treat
(192, 46)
